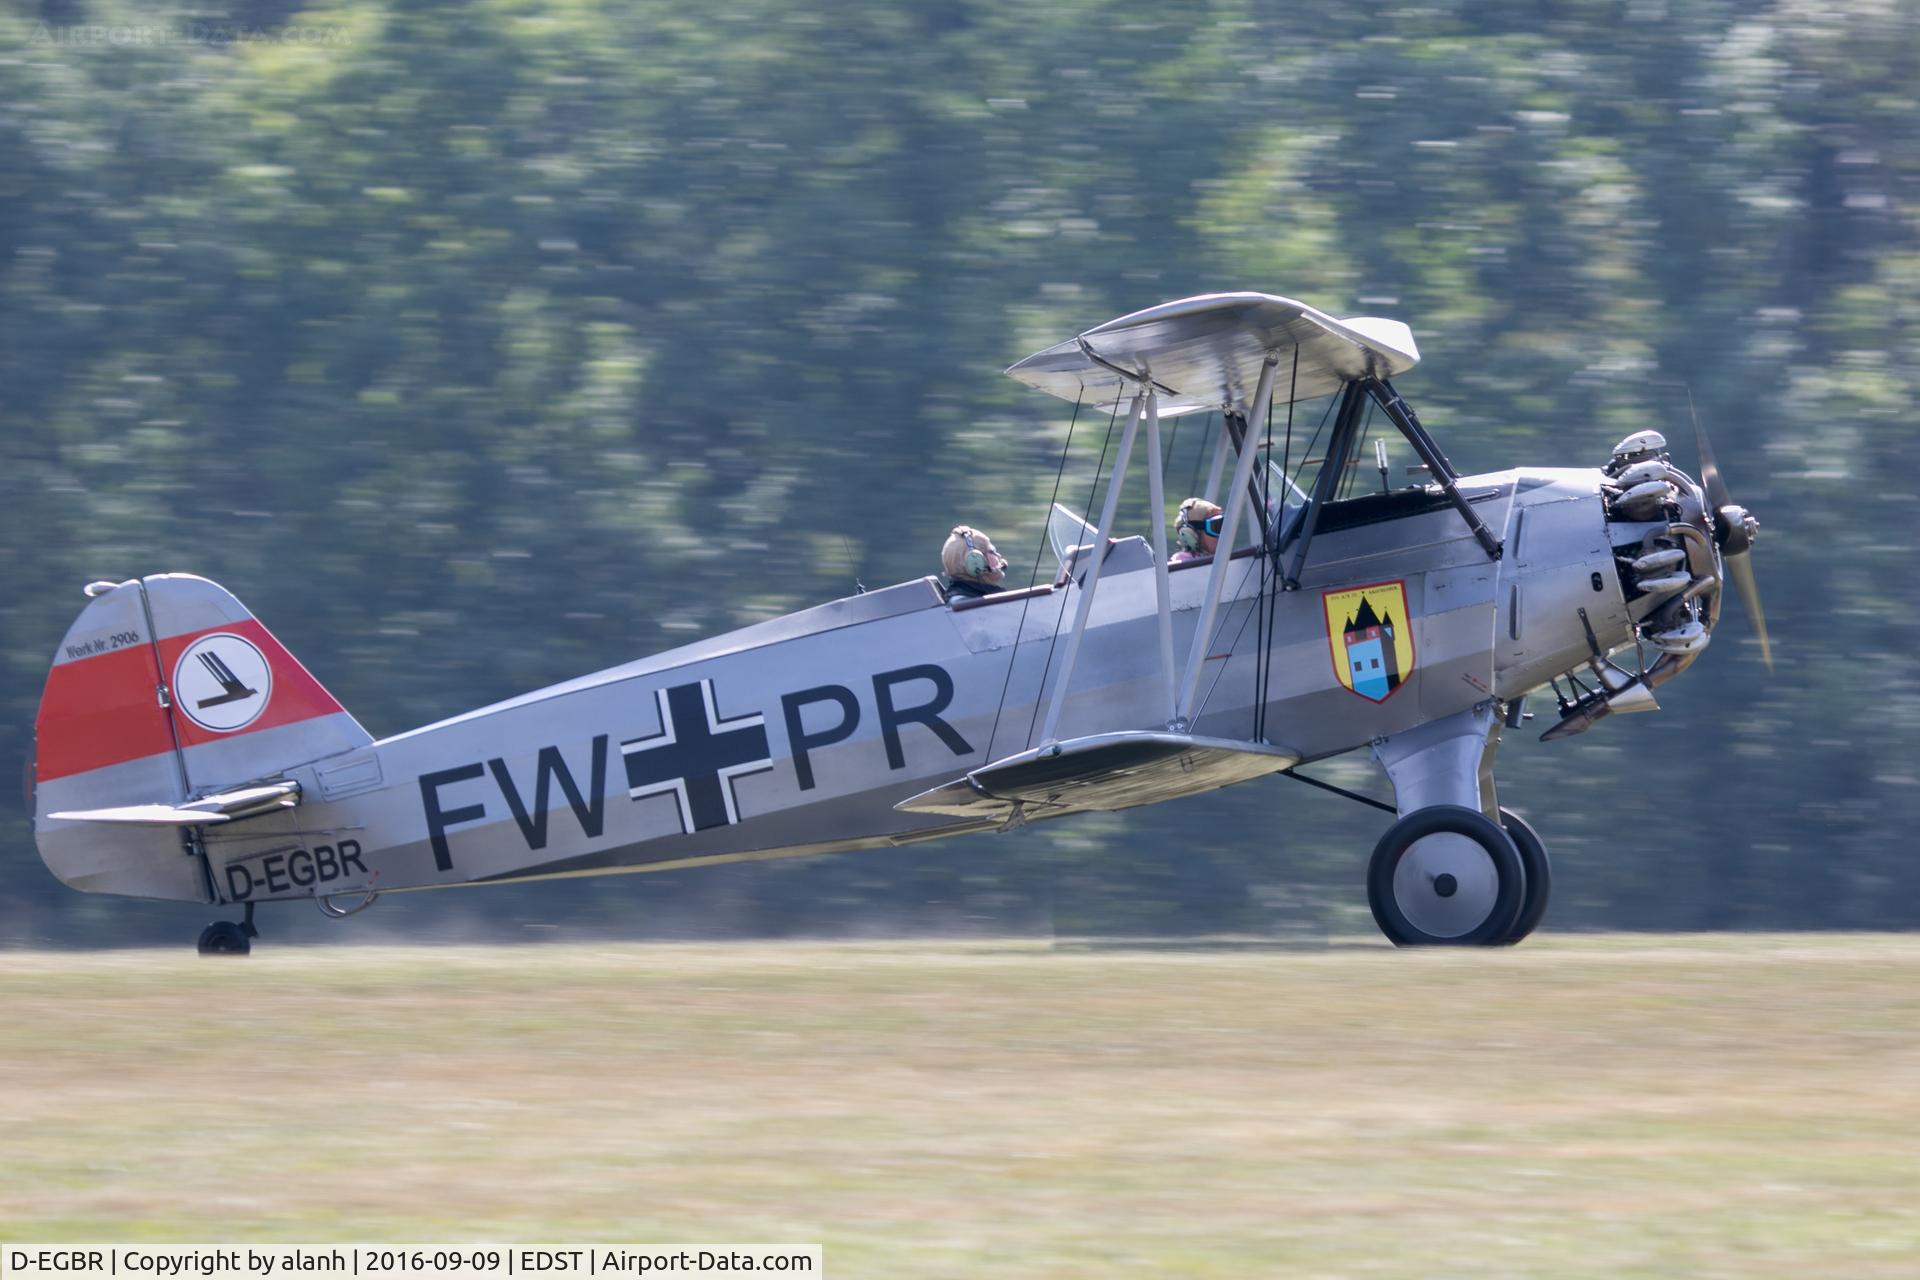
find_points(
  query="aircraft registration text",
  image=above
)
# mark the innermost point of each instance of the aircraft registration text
(277, 871)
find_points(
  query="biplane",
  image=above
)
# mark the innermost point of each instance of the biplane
(182, 752)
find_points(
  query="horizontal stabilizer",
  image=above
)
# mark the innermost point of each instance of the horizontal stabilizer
(1101, 772)
(225, 806)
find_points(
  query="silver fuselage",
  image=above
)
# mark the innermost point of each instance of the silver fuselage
(817, 723)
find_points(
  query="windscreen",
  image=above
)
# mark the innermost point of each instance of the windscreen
(1065, 531)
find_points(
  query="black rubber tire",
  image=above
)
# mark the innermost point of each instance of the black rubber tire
(1509, 875)
(1533, 857)
(225, 938)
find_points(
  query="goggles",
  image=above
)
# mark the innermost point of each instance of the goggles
(1209, 526)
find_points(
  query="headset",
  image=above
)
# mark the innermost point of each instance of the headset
(974, 563)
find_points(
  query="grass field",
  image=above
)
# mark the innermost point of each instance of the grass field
(1580, 1106)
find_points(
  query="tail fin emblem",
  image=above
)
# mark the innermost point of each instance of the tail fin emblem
(222, 682)
(232, 687)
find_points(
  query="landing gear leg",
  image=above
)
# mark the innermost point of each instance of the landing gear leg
(229, 937)
(1456, 869)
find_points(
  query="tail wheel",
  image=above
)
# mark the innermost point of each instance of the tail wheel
(1446, 876)
(1533, 857)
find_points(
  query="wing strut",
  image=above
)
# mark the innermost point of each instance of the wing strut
(1096, 558)
(1340, 447)
(1346, 428)
(1223, 558)
(1145, 406)
(1182, 695)
(1442, 471)
(1157, 521)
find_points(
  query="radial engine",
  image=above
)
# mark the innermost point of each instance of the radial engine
(1676, 541)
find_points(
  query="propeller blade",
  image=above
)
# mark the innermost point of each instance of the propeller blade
(1741, 568)
(1736, 539)
(1717, 495)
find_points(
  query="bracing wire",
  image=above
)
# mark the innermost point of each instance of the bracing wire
(853, 561)
(1034, 721)
(1273, 555)
(1262, 630)
(1166, 463)
(1286, 452)
(1307, 453)
(1261, 494)
(1033, 579)
(1200, 459)
(1350, 473)
(1201, 706)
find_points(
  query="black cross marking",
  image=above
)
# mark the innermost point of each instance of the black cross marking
(235, 688)
(697, 756)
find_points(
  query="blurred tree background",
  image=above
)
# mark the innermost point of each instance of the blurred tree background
(478, 345)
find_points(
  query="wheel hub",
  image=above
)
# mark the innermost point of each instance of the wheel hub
(1446, 885)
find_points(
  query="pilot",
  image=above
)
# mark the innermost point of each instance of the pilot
(1197, 531)
(974, 567)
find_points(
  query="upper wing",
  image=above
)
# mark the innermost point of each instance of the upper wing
(1206, 353)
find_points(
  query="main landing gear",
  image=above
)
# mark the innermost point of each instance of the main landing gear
(1446, 874)
(229, 937)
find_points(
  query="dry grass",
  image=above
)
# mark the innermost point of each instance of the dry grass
(1624, 1106)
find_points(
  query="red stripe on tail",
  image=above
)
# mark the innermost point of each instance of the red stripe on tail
(104, 710)
(99, 711)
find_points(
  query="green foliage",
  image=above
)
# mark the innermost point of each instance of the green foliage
(524, 337)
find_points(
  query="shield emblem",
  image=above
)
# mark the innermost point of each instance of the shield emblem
(1370, 637)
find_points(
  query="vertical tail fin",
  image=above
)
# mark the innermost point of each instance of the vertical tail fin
(166, 688)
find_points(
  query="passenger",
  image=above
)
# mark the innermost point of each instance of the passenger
(974, 567)
(1198, 530)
